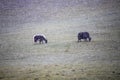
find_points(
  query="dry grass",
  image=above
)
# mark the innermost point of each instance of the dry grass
(63, 58)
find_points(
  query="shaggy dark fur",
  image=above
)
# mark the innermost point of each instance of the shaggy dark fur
(84, 35)
(40, 38)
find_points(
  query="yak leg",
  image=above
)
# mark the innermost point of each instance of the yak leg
(79, 40)
(89, 39)
(40, 41)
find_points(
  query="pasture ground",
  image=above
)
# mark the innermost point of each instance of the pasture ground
(63, 58)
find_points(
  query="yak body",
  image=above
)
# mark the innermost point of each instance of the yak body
(40, 38)
(84, 35)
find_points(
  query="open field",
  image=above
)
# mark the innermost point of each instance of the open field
(63, 58)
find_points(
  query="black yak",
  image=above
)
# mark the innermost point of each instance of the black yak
(84, 35)
(40, 38)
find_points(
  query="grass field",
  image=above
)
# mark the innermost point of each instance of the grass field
(63, 58)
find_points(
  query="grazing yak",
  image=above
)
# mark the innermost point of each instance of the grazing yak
(84, 35)
(41, 38)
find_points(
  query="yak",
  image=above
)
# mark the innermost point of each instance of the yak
(84, 35)
(41, 38)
